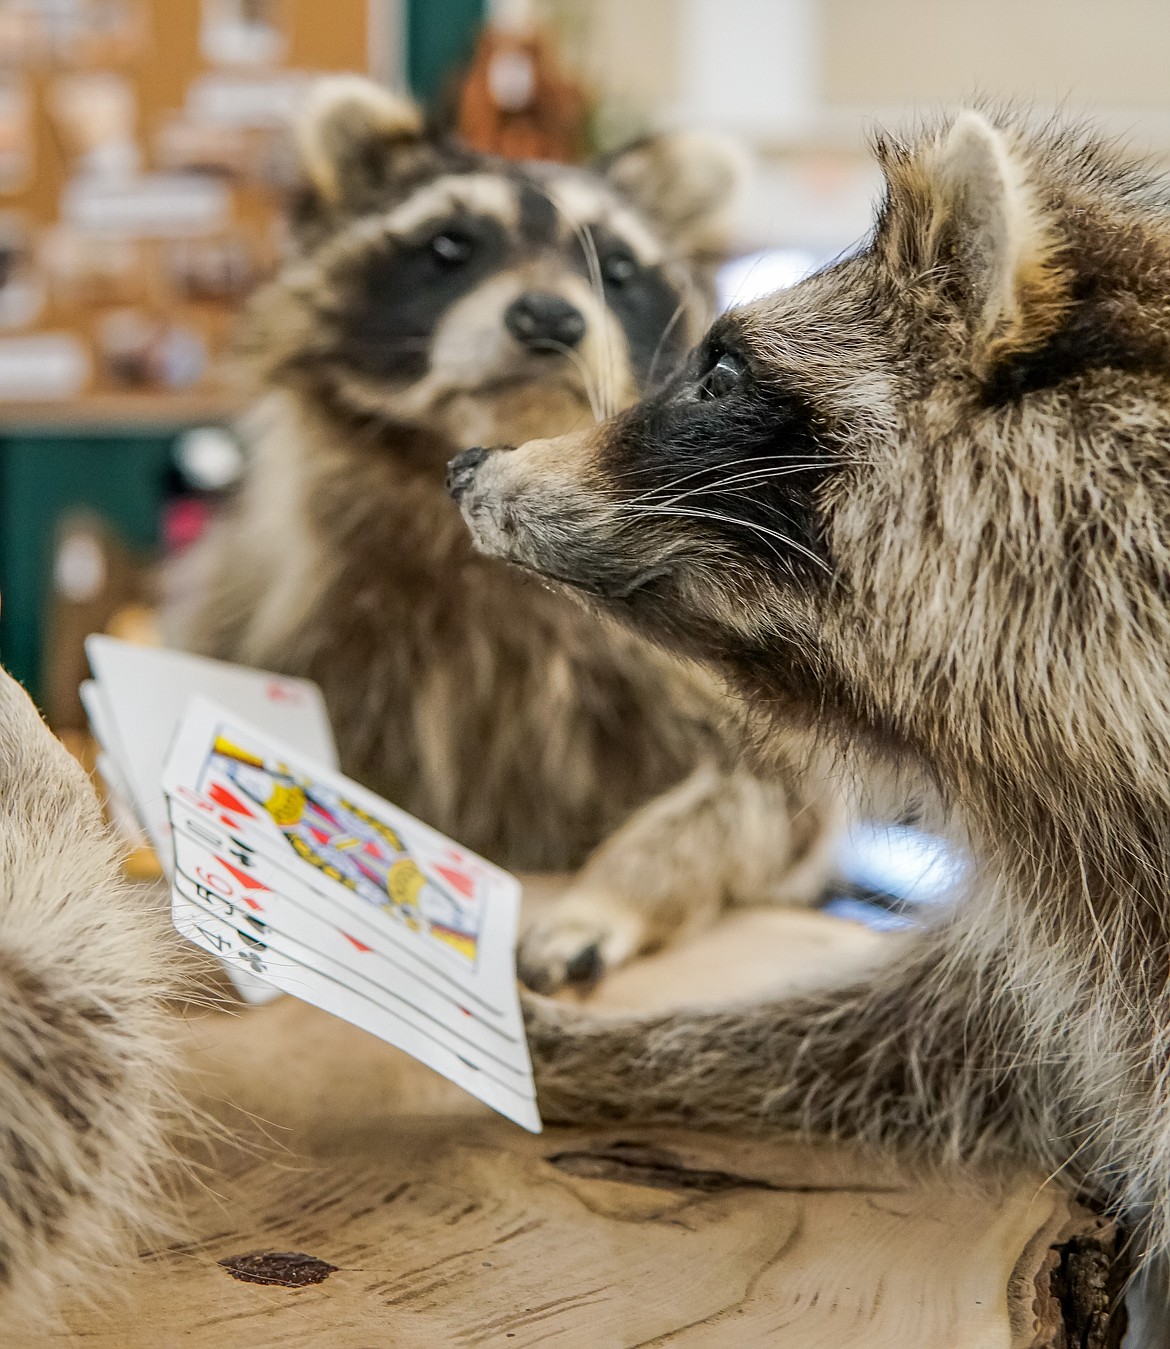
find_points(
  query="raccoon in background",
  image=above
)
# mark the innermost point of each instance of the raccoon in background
(439, 299)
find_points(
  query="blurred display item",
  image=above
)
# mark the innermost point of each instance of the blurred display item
(43, 366)
(184, 145)
(268, 100)
(71, 32)
(85, 271)
(516, 101)
(95, 114)
(19, 35)
(220, 269)
(141, 351)
(154, 205)
(22, 288)
(209, 459)
(95, 578)
(244, 32)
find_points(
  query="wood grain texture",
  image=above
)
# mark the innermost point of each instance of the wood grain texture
(449, 1226)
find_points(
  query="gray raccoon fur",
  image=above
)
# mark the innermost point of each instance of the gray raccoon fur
(471, 695)
(964, 568)
(85, 1097)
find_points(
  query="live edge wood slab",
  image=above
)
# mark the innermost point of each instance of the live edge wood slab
(356, 1201)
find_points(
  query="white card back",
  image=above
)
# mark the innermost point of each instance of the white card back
(145, 691)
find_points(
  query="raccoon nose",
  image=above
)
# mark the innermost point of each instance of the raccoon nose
(538, 320)
(461, 470)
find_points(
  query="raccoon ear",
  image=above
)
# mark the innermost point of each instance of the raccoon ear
(688, 183)
(348, 136)
(986, 220)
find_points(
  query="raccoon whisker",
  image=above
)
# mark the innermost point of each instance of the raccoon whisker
(752, 526)
(584, 237)
(731, 463)
(588, 379)
(680, 309)
(608, 393)
(750, 479)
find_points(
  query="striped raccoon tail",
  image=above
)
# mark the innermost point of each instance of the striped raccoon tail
(85, 1094)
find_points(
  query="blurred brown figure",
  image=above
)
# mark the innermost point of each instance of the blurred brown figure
(516, 102)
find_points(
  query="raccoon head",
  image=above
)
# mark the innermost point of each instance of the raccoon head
(476, 298)
(925, 491)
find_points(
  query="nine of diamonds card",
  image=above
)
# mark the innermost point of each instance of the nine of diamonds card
(332, 894)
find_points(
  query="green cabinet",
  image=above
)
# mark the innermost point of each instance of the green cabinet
(440, 38)
(120, 475)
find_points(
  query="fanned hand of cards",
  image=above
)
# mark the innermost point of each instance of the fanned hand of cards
(298, 877)
(134, 703)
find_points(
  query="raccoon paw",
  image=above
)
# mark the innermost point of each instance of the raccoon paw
(576, 941)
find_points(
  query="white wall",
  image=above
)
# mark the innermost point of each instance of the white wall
(749, 65)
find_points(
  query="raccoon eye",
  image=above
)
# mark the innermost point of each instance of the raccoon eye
(619, 269)
(451, 248)
(723, 377)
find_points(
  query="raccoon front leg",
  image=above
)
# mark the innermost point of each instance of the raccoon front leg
(715, 839)
(83, 1060)
(927, 1052)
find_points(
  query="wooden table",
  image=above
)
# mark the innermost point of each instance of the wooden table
(410, 1216)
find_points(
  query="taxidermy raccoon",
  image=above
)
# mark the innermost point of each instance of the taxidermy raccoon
(930, 510)
(84, 1064)
(437, 299)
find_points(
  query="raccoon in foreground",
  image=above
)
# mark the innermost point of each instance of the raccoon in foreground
(84, 1061)
(437, 299)
(969, 572)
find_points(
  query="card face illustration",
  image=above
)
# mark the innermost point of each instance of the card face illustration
(387, 864)
(249, 872)
(335, 835)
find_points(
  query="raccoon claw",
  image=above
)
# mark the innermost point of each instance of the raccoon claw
(546, 974)
(586, 967)
(576, 942)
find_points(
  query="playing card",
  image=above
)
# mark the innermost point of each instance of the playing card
(99, 717)
(134, 705)
(143, 692)
(336, 837)
(508, 1067)
(319, 927)
(118, 800)
(291, 870)
(255, 954)
(252, 873)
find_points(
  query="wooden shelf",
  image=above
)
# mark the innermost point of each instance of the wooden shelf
(112, 412)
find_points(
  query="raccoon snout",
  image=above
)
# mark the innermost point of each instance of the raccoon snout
(544, 322)
(461, 470)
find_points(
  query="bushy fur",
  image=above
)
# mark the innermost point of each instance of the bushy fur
(928, 498)
(84, 1061)
(473, 696)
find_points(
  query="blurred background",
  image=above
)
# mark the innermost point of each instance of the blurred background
(144, 158)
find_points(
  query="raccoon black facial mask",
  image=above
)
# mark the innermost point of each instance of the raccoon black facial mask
(436, 285)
